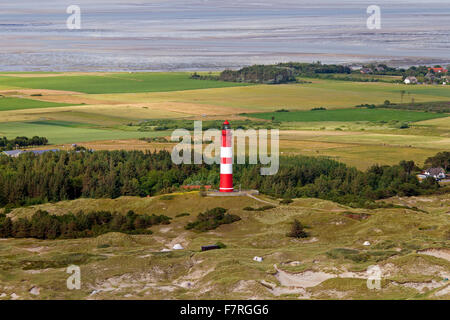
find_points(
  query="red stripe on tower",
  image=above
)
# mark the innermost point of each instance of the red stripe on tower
(226, 159)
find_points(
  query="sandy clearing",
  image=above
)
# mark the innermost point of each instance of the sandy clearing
(36, 249)
(438, 253)
(420, 286)
(443, 292)
(277, 291)
(304, 280)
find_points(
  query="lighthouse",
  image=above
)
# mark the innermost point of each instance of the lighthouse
(226, 159)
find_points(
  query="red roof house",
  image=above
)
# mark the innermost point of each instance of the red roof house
(438, 70)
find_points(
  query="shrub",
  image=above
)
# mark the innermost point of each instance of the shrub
(286, 201)
(167, 197)
(211, 219)
(297, 230)
(263, 208)
(42, 225)
(184, 214)
(221, 245)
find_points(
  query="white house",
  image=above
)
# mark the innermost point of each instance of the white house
(13, 153)
(410, 80)
(437, 173)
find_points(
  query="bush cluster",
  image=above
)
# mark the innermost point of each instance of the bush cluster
(211, 219)
(42, 225)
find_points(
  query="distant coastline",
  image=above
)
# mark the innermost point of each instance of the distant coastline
(183, 35)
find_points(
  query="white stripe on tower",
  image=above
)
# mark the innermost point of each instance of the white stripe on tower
(226, 168)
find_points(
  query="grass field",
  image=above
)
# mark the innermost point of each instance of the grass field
(60, 132)
(100, 115)
(320, 93)
(115, 83)
(410, 247)
(348, 115)
(9, 103)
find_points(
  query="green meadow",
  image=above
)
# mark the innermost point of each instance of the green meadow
(60, 132)
(9, 103)
(117, 83)
(111, 105)
(372, 115)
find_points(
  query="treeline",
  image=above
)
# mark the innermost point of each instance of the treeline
(311, 69)
(287, 72)
(42, 225)
(268, 74)
(31, 179)
(55, 176)
(438, 106)
(275, 74)
(327, 179)
(6, 144)
(441, 159)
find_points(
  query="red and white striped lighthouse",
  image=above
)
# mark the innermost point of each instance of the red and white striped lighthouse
(226, 159)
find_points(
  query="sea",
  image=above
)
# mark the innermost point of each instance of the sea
(180, 35)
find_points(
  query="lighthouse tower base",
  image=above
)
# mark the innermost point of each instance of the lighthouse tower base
(216, 193)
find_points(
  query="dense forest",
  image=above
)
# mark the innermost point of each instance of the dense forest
(310, 69)
(268, 74)
(42, 225)
(6, 144)
(288, 71)
(31, 179)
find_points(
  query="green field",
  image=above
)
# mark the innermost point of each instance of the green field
(372, 115)
(332, 94)
(111, 105)
(116, 83)
(59, 132)
(8, 104)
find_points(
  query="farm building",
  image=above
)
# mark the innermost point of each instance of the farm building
(437, 173)
(410, 80)
(16, 153)
(438, 70)
(13, 153)
(366, 70)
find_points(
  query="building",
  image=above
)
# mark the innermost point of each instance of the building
(16, 153)
(366, 70)
(13, 153)
(437, 173)
(438, 70)
(39, 152)
(410, 80)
